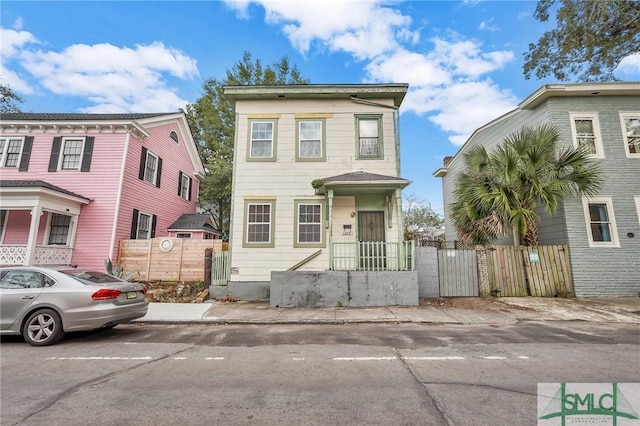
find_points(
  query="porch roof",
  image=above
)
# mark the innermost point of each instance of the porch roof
(21, 194)
(362, 181)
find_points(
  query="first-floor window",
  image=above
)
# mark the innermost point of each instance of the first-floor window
(601, 223)
(183, 235)
(144, 226)
(259, 223)
(59, 229)
(3, 218)
(309, 223)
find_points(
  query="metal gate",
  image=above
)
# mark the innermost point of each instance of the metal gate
(458, 271)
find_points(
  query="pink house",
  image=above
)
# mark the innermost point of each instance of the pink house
(73, 185)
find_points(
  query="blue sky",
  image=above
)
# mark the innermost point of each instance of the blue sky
(463, 60)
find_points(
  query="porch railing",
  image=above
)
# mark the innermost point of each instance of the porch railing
(44, 255)
(373, 256)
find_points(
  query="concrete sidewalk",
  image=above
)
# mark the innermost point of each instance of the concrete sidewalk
(438, 311)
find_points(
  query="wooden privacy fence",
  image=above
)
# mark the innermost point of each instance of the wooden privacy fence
(167, 259)
(541, 271)
(458, 273)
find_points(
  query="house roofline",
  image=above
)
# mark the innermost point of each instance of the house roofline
(579, 89)
(397, 91)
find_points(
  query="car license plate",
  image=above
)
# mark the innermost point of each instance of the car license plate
(132, 295)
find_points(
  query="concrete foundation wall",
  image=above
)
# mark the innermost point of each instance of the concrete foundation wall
(250, 290)
(427, 267)
(343, 288)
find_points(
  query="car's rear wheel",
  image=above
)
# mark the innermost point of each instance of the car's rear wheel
(42, 328)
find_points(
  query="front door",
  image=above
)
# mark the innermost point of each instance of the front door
(372, 240)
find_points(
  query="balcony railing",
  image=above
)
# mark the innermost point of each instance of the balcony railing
(373, 256)
(44, 255)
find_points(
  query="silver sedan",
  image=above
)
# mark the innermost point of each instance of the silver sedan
(42, 304)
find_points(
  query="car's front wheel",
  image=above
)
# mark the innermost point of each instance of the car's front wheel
(42, 328)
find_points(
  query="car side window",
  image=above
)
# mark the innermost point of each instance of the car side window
(48, 281)
(22, 279)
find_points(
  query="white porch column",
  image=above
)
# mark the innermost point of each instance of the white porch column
(36, 211)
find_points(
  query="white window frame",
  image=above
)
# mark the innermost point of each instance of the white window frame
(593, 116)
(637, 198)
(62, 155)
(319, 224)
(3, 154)
(185, 186)
(625, 115)
(272, 154)
(319, 139)
(148, 235)
(69, 230)
(4, 215)
(146, 168)
(613, 229)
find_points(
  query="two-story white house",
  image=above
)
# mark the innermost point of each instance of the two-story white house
(316, 214)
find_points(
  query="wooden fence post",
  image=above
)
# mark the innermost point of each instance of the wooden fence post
(208, 260)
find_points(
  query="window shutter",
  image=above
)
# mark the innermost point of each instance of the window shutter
(134, 225)
(55, 154)
(159, 173)
(179, 184)
(190, 185)
(143, 163)
(87, 154)
(26, 154)
(154, 219)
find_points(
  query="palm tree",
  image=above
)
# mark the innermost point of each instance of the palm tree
(499, 192)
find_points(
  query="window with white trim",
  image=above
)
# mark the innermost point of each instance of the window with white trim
(71, 157)
(310, 136)
(59, 227)
(185, 186)
(585, 128)
(10, 151)
(261, 140)
(151, 167)
(308, 224)
(183, 235)
(601, 224)
(637, 198)
(630, 122)
(369, 136)
(144, 226)
(259, 220)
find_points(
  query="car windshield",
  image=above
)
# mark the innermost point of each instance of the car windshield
(91, 277)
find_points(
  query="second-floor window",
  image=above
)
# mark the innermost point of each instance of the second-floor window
(150, 167)
(71, 153)
(631, 132)
(310, 140)
(262, 140)
(369, 139)
(184, 186)
(10, 150)
(59, 229)
(585, 128)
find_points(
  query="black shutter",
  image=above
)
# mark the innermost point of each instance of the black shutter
(143, 163)
(179, 184)
(154, 219)
(159, 172)
(190, 185)
(26, 154)
(55, 154)
(87, 154)
(134, 225)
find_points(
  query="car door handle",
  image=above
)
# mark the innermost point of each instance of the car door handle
(28, 297)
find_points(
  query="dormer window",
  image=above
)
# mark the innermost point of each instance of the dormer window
(173, 135)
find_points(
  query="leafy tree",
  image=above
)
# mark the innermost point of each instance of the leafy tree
(212, 122)
(420, 220)
(499, 192)
(590, 40)
(8, 100)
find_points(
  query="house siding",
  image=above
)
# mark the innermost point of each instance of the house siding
(596, 270)
(286, 180)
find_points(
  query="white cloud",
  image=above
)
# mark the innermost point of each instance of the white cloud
(630, 64)
(13, 80)
(12, 41)
(448, 83)
(488, 25)
(115, 79)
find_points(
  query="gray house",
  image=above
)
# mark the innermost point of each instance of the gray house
(603, 233)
